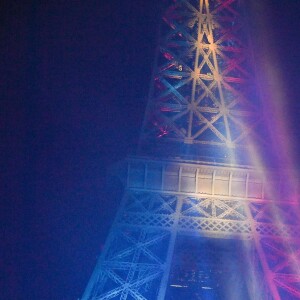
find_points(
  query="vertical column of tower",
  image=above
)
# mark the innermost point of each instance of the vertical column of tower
(136, 260)
(275, 226)
(203, 101)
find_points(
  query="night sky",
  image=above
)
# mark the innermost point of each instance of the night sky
(74, 81)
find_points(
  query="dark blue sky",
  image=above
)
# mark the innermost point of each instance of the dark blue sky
(74, 81)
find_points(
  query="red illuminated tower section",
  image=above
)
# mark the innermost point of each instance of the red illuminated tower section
(197, 219)
(203, 90)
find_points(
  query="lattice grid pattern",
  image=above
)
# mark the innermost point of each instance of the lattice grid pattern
(203, 88)
(135, 261)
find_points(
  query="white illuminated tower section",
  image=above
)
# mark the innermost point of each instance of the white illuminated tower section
(198, 219)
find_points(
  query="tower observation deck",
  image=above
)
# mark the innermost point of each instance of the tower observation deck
(199, 219)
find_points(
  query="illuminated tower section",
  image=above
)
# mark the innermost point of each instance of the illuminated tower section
(203, 92)
(197, 221)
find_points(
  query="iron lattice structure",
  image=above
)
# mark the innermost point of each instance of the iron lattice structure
(203, 89)
(193, 228)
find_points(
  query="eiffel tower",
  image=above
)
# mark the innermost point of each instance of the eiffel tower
(199, 218)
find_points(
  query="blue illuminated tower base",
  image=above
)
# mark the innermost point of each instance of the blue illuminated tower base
(193, 228)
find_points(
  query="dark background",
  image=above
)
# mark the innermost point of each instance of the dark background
(74, 81)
